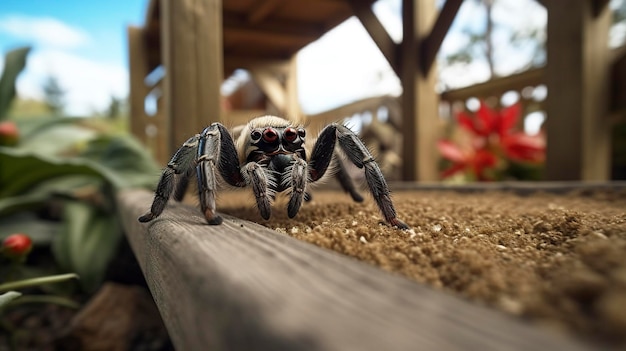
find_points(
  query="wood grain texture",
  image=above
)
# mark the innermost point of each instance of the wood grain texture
(420, 102)
(241, 286)
(577, 78)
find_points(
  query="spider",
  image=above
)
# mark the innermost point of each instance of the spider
(270, 156)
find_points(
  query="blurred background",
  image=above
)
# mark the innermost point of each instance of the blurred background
(73, 133)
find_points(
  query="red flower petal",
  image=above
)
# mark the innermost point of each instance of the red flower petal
(467, 122)
(487, 119)
(524, 147)
(451, 151)
(509, 117)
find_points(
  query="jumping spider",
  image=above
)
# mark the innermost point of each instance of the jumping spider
(270, 156)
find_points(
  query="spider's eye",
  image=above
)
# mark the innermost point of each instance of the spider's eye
(255, 135)
(269, 135)
(290, 134)
(301, 133)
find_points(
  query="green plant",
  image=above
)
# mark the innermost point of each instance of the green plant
(13, 253)
(72, 167)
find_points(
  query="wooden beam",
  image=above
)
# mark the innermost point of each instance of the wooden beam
(238, 22)
(420, 102)
(497, 86)
(430, 46)
(253, 35)
(378, 33)
(241, 286)
(261, 10)
(192, 56)
(577, 78)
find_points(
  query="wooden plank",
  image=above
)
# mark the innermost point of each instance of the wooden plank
(241, 286)
(420, 103)
(431, 45)
(191, 31)
(577, 78)
(378, 33)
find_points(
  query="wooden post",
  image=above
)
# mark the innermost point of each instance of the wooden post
(577, 77)
(191, 31)
(419, 99)
(138, 66)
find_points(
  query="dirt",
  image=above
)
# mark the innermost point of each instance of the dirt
(558, 260)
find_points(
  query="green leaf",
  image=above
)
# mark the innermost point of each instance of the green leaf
(46, 299)
(124, 156)
(8, 297)
(14, 63)
(57, 139)
(120, 160)
(87, 242)
(21, 170)
(28, 283)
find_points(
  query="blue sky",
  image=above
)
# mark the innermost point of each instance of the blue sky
(102, 22)
(81, 43)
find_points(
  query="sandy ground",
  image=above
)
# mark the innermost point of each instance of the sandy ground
(558, 260)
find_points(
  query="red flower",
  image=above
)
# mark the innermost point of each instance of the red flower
(490, 124)
(9, 133)
(493, 138)
(474, 161)
(16, 246)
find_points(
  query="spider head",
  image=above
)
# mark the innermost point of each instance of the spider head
(265, 138)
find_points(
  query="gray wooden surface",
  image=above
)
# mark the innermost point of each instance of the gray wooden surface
(241, 286)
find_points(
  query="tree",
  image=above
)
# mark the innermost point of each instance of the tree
(54, 96)
(486, 43)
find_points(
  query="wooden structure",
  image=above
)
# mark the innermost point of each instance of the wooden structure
(241, 286)
(187, 37)
(198, 42)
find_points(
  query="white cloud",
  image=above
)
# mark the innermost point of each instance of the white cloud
(343, 66)
(43, 31)
(89, 85)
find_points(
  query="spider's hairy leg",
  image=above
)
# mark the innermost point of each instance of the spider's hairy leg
(358, 154)
(182, 184)
(346, 181)
(298, 175)
(229, 160)
(256, 176)
(208, 154)
(181, 164)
